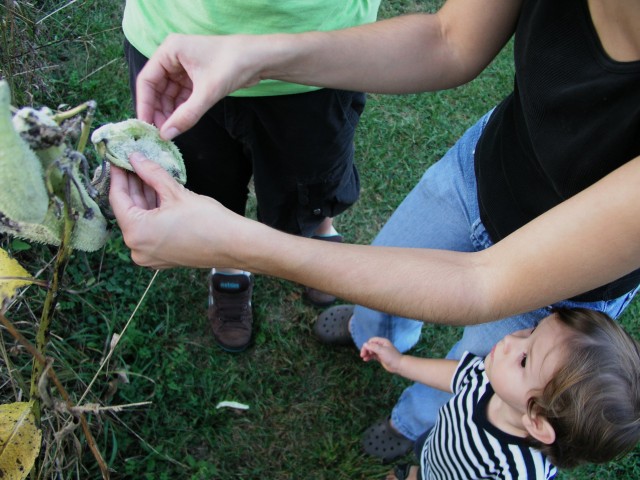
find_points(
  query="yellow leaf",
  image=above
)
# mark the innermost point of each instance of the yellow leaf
(20, 440)
(12, 276)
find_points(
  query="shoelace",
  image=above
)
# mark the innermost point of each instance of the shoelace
(229, 308)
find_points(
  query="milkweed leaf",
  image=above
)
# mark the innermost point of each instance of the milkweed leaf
(26, 210)
(23, 194)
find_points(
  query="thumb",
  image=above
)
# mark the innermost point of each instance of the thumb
(187, 114)
(154, 175)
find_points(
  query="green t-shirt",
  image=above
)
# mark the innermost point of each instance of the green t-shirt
(146, 23)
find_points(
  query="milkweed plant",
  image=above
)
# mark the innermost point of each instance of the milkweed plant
(48, 197)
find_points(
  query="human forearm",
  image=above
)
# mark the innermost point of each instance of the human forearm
(443, 292)
(436, 373)
(400, 55)
(585, 242)
(184, 229)
(433, 372)
(412, 53)
(589, 240)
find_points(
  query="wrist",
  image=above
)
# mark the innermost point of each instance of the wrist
(285, 57)
(399, 366)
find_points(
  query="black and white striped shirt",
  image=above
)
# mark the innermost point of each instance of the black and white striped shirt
(464, 445)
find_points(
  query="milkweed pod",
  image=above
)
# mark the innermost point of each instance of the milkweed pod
(90, 232)
(23, 194)
(116, 141)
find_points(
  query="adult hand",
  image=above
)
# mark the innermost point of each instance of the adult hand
(188, 74)
(163, 223)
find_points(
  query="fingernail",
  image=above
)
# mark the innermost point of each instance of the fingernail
(170, 133)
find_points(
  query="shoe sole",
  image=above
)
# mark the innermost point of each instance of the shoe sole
(233, 349)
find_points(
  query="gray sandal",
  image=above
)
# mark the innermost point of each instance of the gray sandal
(382, 441)
(332, 325)
(402, 471)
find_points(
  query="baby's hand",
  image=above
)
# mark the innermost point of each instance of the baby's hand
(382, 350)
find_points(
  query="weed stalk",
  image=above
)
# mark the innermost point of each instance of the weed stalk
(48, 311)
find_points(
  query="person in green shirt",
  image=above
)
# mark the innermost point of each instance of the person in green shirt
(295, 141)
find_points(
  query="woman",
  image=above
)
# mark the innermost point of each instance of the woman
(553, 183)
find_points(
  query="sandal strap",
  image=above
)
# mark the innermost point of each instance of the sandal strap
(401, 471)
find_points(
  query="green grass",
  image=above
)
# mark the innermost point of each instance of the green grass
(308, 403)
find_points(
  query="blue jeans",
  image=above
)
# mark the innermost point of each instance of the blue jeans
(442, 212)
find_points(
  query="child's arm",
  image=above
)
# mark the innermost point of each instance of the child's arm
(434, 372)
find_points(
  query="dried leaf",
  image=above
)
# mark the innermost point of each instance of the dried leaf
(12, 276)
(20, 440)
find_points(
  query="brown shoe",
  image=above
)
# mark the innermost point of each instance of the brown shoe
(316, 297)
(230, 310)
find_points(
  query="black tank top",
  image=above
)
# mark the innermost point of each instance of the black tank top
(573, 117)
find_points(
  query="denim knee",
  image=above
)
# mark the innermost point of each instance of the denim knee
(404, 333)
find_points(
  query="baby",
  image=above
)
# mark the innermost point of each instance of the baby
(563, 393)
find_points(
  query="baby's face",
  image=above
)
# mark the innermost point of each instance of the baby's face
(523, 363)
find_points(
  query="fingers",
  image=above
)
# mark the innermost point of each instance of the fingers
(144, 190)
(381, 341)
(165, 88)
(366, 354)
(138, 193)
(370, 349)
(150, 86)
(381, 350)
(178, 84)
(161, 86)
(187, 113)
(119, 193)
(173, 104)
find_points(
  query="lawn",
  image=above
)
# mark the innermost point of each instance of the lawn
(308, 404)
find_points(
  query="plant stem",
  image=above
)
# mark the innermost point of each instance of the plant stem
(48, 311)
(42, 361)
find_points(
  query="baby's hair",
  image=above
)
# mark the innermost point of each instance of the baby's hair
(593, 400)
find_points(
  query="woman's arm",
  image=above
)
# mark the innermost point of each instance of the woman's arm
(410, 53)
(585, 242)
(189, 73)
